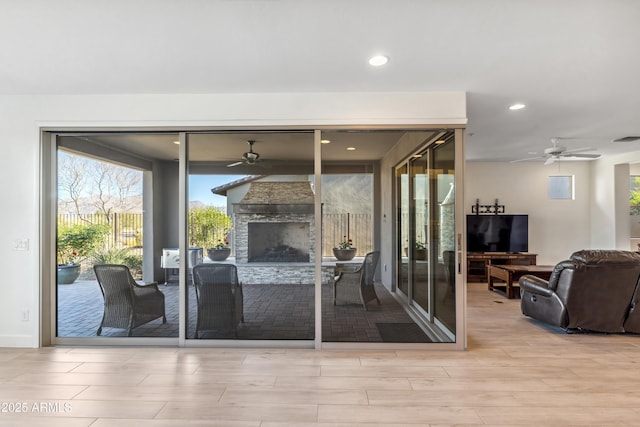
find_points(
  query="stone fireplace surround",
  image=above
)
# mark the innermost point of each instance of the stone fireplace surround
(289, 206)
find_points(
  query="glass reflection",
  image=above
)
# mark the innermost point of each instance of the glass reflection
(104, 213)
(251, 211)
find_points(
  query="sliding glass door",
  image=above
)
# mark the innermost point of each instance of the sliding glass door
(251, 230)
(426, 230)
(297, 224)
(111, 227)
(442, 232)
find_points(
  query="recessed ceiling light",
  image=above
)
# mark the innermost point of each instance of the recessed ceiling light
(378, 60)
(325, 141)
(351, 148)
(517, 107)
(176, 142)
(440, 141)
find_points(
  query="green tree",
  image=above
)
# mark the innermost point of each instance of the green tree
(207, 227)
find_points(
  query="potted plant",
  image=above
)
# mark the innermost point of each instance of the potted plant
(344, 250)
(75, 243)
(220, 251)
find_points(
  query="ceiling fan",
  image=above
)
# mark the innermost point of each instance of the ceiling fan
(250, 157)
(557, 152)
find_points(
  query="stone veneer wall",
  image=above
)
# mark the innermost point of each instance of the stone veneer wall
(292, 274)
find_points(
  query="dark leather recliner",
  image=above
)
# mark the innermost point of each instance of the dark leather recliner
(594, 290)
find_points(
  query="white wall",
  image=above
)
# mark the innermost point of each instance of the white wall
(556, 227)
(607, 205)
(23, 117)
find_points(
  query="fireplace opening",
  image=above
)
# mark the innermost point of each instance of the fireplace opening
(278, 242)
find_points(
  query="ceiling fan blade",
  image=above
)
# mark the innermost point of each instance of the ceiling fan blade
(527, 159)
(234, 164)
(579, 150)
(550, 160)
(583, 156)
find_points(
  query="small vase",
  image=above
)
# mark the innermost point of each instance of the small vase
(218, 254)
(68, 273)
(344, 254)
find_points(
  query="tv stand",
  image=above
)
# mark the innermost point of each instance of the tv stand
(478, 262)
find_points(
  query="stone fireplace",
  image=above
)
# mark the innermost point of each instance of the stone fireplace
(274, 221)
(275, 233)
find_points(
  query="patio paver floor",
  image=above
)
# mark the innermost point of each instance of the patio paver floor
(273, 311)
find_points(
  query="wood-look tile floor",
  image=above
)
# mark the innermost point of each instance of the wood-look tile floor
(515, 372)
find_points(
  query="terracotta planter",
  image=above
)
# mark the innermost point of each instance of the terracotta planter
(68, 273)
(218, 254)
(344, 254)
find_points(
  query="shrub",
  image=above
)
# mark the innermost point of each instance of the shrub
(78, 242)
(119, 256)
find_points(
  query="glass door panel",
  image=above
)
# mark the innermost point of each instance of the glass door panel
(442, 236)
(251, 217)
(108, 213)
(402, 203)
(420, 231)
(354, 301)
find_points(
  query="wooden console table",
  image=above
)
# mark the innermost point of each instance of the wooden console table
(478, 263)
(510, 274)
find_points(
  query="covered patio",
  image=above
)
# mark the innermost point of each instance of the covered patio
(271, 312)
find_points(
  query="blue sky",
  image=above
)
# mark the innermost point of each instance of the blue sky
(200, 188)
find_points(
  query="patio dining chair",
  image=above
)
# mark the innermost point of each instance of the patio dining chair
(356, 285)
(219, 299)
(127, 304)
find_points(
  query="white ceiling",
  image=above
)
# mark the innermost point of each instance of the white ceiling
(574, 63)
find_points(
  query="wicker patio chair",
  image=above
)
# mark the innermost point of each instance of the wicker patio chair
(356, 285)
(219, 297)
(127, 304)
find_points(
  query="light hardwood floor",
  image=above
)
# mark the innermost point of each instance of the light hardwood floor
(516, 372)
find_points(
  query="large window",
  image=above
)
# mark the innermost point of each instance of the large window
(214, 237)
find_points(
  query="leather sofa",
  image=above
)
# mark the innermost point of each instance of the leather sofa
(594, 290)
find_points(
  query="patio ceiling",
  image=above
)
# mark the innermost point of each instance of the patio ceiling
(279, 147)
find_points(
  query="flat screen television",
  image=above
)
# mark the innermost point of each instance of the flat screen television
(498, 233)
